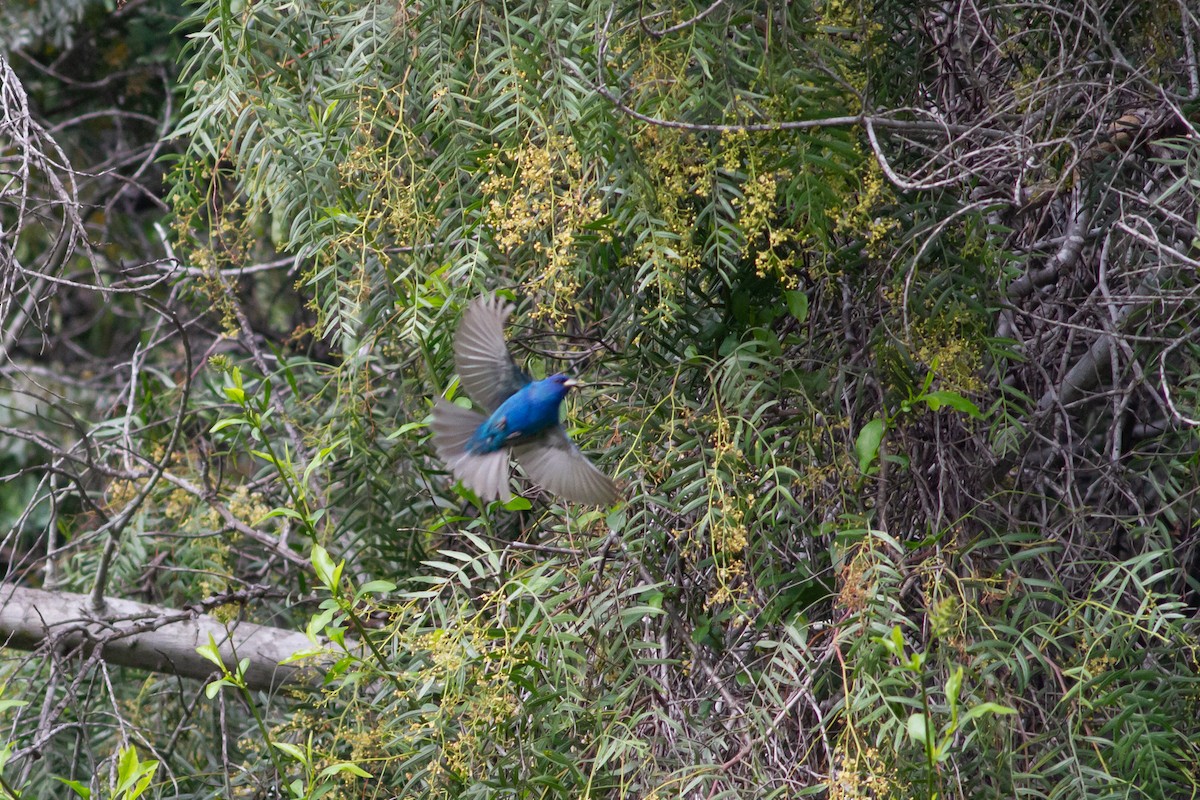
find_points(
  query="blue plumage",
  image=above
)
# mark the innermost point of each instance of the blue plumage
(522, 419)
(523, 416)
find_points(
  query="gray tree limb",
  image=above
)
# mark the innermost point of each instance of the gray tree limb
(154, 638)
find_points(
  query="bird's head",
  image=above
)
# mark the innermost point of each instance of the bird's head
(565, 381)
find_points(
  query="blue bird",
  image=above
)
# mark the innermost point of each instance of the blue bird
(522, 419)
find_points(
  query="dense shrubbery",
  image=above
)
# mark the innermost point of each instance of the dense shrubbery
(886, 313)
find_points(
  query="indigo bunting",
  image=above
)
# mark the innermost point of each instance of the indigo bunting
(522, 418)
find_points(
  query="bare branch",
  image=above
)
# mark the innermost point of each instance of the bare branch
(148, 637)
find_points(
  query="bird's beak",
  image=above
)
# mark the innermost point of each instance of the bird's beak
(571, 383)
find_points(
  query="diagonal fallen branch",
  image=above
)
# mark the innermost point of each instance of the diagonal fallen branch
(153, 638)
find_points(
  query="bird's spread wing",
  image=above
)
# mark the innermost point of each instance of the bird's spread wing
(486, 474)
(453, 426)
(485, 367)
(556, 463)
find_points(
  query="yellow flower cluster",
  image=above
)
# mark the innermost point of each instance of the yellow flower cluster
(945, 346)
(756, 206)
(446, 651)
(179, 505)
(540, 200)
(231, 236)
(247, 507)
(862, 775)
(726, 517)
(677, 173)
(120, 492)
(466, 726)
(729, 533)
(864, 219)
(945, 618)
(730, 585)
(492, 706)
(840, 17)
(1099, 665)
(858, 585)
(764, 239)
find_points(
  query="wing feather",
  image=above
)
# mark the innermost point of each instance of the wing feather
(557, 464)
(485, 367)
(486, 475)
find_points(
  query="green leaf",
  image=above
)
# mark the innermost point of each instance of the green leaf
(133, 776)
(270, 459)
(936, 400)
(797, 303)
(987, 708)
(77, 787)
(893, 643)
(376, 587)
(320, 458)
(211, 652)
(126, 767)
(867, 443)
(225, 423)
(323, 565)
(300, 655)
(281, 511)
(917, 729)
(518, 503)
(953, 689)
(344, 766)
(406, 427)
(291, 750)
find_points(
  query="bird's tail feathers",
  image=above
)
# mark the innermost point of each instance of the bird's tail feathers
(487, 474)
(453, 426)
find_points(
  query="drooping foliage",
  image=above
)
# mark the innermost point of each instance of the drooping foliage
(885, 311)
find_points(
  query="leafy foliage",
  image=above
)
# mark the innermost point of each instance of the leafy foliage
(887, 317)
